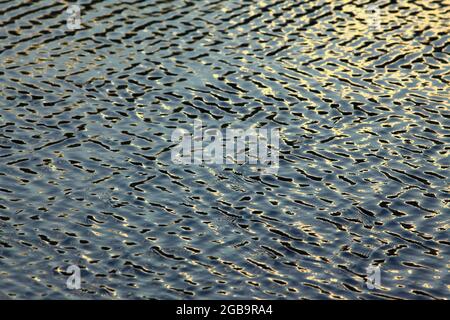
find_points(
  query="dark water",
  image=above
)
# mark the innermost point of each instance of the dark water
(86, 176)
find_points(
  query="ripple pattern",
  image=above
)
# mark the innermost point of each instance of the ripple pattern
(86, 176)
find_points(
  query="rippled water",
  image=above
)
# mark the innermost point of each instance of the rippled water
(86, 176)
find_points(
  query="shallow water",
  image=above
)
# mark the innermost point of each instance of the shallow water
(86, 176)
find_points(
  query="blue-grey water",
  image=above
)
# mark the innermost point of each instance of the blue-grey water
(86, 177)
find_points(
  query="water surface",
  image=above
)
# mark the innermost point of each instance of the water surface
(86, 176)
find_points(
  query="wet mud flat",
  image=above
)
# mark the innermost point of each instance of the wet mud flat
(90, 97)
